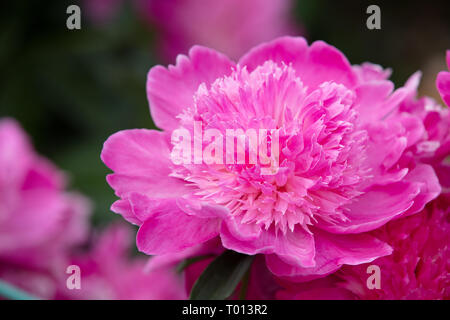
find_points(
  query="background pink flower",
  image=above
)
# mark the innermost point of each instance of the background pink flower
(342, 169)
(42, 226)
(419, 267)
(230, 26)
(39, 220)
(109, 272)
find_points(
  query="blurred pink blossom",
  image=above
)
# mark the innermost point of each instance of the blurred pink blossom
(109, 272)
(231, 26)
(39, 219)
(42, 225)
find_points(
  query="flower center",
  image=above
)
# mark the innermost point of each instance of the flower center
(315, 150)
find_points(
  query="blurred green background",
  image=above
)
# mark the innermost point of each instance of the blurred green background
(70, 90)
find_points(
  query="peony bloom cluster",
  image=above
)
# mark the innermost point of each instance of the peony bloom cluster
(353, 154)
(41, 225)
(418, 268)
(231, 26)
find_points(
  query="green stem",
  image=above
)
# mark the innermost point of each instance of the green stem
(12, 293)
(244, 287)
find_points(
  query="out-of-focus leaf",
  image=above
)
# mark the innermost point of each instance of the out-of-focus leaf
(221, 277)
(187, 262)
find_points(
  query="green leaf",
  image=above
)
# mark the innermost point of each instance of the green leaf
(221, 277)
(186, 263)
(244, 286)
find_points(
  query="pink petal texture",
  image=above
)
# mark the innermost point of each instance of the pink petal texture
(140, 173)
(171, 90)
(313, 64)
(332, 251)
(160, 235)
(295, 247)
(354, 155)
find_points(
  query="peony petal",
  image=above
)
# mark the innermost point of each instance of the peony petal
(171, 90)
(35, 219)
(16, 153)
(123, 207)
(367, 72)
(376, 207)
(294, 247)
(171, 230)
(443, 82)
(209, 248)
(314, 65)
(141, 163)
(385, 146)
(425, 176)
(369, 97)
(443, 86)
(332, 251)
(243, 231)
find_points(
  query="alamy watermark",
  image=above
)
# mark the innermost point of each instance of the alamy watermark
(374, 281)
(73, 21)
(210, 146)
(74, 280)
(373, 22)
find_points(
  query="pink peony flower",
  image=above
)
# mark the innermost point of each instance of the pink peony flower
(344, 166)
(443, 82)
(108, 272)
(38, 219)
(41, 225)
(230, 26)
(419, 267)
